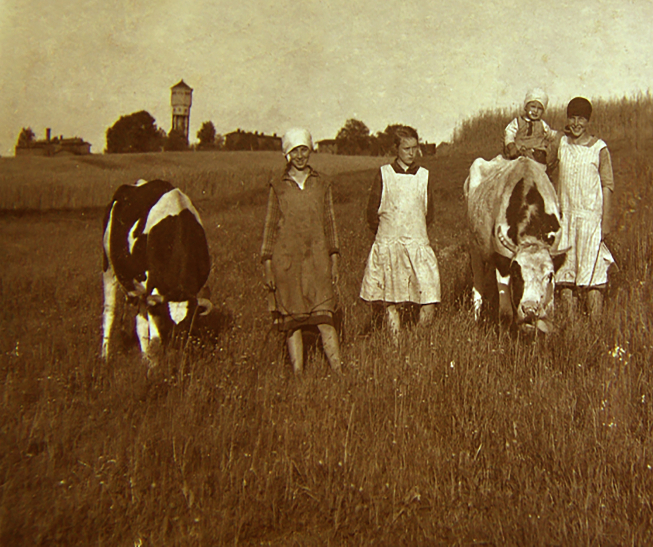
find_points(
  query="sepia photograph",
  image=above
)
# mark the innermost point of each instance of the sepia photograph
(326, 273)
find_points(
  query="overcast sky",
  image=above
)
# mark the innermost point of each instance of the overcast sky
(78, 65)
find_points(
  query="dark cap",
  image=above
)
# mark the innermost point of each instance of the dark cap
(579, 106)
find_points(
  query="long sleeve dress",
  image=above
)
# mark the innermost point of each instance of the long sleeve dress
(299, 237)
(401, 266)
(584, 171)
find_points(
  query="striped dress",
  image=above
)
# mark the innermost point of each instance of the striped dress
(580, 189)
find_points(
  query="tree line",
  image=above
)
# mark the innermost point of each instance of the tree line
(138, 132)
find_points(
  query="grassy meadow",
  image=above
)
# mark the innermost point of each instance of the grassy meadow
(463, 435)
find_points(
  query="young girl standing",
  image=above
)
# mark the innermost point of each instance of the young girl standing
(585, 187)
(300, 251)
(402, 266)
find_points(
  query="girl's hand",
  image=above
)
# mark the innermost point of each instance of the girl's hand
(335, 274)
(269, 276)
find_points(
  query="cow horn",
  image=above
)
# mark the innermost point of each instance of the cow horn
(505, 241)
(205, 303)
(559, 252)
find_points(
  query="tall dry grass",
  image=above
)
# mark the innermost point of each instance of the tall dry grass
(462, 435)
(617, 119)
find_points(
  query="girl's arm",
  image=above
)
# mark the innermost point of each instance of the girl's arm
(607, 187)
(374, 202)
(430, 201)
(330, 224)
(270, 236)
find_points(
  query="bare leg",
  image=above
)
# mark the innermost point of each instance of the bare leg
(595, 304)
(567, 301)
(426, 314)
(331, 346)
(394, 322)
(296, 351)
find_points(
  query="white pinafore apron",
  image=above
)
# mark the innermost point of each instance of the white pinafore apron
(402, 266)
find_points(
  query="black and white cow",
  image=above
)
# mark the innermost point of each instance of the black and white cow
(514, 218)
(155, 248)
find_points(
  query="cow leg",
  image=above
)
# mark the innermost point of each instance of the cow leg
(505, 304)
(143, 330)
(109, 310)
(478, 272)
(149, 336)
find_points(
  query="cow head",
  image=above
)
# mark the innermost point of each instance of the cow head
(530, 276)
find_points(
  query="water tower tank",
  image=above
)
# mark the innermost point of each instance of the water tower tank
(181, 99)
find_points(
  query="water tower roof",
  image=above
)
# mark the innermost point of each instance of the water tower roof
(182, 84)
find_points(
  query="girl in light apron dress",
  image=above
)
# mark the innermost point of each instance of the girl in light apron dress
(585, 188)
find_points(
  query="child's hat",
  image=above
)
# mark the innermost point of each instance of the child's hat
(296, 137)
(579, 106)
(537, 95)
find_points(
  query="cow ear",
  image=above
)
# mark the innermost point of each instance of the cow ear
(502, 264)
(559, 260)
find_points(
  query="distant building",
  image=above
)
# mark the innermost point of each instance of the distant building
(181, 99)
(246, 140)
(428, 148)
(57, 146)
(326, 146)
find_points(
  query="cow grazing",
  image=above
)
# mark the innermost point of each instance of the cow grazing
(155, 248)
(514, 219)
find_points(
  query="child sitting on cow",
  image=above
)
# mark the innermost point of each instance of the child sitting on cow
(528, 134)
(402, 266)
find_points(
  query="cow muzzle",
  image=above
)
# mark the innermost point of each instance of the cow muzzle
(531, 318)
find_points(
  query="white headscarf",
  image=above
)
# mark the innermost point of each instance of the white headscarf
(537, 95)
(296, 137)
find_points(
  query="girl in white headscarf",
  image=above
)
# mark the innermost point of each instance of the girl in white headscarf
(528, 134)
(300, 251)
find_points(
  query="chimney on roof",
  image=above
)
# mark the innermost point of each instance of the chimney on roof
(47, 134)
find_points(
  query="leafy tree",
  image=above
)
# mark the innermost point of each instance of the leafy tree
(176, 141)
(136, 132)
(206, 136)
(385, 139)
(26, 137)
(354, 138)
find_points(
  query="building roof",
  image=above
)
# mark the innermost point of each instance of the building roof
(182, 84)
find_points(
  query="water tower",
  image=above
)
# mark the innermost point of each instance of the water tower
(181, 98)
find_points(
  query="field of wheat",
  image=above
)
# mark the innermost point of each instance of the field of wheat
(463, 435)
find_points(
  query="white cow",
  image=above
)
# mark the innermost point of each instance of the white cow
(514, 219)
